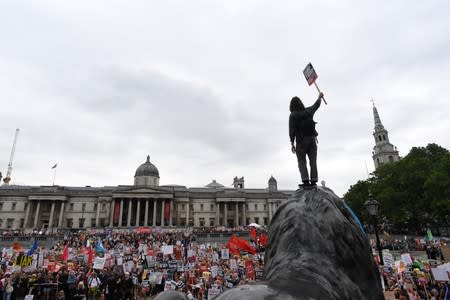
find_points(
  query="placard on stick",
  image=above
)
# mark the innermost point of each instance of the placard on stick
(311, 76)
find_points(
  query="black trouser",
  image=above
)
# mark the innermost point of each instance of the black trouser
(307, 146)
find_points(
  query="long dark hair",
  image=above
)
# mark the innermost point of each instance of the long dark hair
(296, 104)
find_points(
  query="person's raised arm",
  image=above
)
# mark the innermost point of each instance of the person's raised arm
(316, 104)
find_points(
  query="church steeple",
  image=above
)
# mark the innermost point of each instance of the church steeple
(383, 151)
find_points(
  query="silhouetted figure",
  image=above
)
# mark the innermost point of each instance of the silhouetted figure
(302, 131)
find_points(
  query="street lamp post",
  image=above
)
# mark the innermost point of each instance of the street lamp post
(372, 208)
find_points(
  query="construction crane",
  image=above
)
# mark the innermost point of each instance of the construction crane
(7, 178)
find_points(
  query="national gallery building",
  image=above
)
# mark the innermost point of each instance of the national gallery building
(145, 203)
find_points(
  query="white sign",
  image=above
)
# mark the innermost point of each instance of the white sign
(225, 254)
(388, 259)
(167, 249)
(440, 274)
(213, 292)
(99, 263)
(406, 258)
(233, 264)
(214, 270)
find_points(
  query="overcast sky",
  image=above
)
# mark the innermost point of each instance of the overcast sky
(204, 87)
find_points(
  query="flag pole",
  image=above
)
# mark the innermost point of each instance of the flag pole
(54, 175)
(317, 87)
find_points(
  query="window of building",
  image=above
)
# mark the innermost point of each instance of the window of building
(182, 221)
(246, 206)
(212, 207)
(81, 222)
(384, 137)
(191, 207)
(266, 221)
(212, 222)
(379, 137)
(93, 223)
(256, 208)
(1, 223)
(103, 206)
(22, 223)
(183, 207)
(391, 159)
(95, 206)
(71, 206)
(265, 206)
(201, 208)
(247, 221)
(69, 223)
(102, 222)
(83, 207)
(25, 206)
(256, 220)
(13, 206)
(201, 222)
(1, 206)
(9, 223)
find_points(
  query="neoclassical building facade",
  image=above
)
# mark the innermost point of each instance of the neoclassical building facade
(146, 203)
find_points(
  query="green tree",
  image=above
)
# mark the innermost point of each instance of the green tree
(413, 192)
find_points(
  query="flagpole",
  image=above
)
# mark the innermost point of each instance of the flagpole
(54, 175)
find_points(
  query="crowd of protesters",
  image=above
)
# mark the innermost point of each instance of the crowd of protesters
(136, 266)
(118, 264)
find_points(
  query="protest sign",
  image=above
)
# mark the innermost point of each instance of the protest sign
(24, 260)
(99, 263)
(213, 292)
(214, 270)
(388, 258)
(440, 274)
(225, 254)
(311, 76)
(406, 258)
(166, 250)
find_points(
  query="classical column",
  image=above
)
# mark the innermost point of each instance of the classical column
(97, 214)
(270, 211)
(52, 211)
(146, 213)
(171, 212)
(36, 215)
(244, 214)
(217, 221)
(138, 212)
(236, 218)
(162, 212)
(111, 213)
(187, 214)
(225, 217)
(154, 212)
(130, 205)
(61, 214)
(121, 213)
(27, 214)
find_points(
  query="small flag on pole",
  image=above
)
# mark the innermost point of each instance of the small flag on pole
(55, 166)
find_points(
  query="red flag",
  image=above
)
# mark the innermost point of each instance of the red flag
(91, 255)
(263, 239)
(232, 248)
(65, 254)
(242, 244)
(252, 233)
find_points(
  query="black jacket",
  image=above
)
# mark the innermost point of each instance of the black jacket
(297, 117)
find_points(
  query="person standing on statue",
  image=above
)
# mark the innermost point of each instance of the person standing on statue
(302, 131)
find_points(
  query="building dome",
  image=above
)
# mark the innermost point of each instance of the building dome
(214, 185)
(272, 180)
(147, 169)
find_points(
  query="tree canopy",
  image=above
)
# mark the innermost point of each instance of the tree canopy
(413, 193)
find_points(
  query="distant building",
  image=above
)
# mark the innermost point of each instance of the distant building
(383, 151)
(145, 203)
